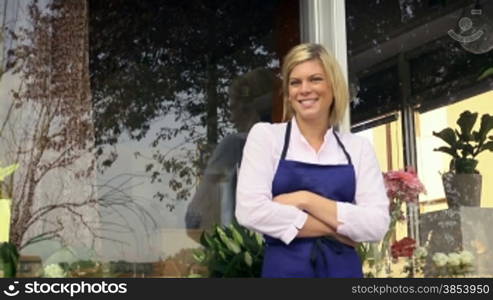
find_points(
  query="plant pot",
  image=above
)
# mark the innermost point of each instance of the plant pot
(462, 189)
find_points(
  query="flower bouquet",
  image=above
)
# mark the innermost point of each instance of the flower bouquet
(406, 248)
(403, 187)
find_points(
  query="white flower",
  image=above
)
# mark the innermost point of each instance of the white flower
(440, 259)
(466, 257)
(421, 252)
(453, 259)
(54, 271)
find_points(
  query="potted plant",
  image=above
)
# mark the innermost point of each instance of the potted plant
(462, 183)
(231, 251)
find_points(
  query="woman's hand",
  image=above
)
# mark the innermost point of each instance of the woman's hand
(318, 206)
(314, 227)
(295, 199)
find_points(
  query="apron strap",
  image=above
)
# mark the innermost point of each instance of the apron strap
(286, 141)
(286, 144)
(348, 157)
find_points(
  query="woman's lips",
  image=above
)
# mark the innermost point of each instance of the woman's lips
(307, 103)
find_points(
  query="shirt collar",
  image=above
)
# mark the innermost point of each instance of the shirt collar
(296, 133)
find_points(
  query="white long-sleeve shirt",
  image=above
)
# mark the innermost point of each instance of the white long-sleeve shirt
(367, 219)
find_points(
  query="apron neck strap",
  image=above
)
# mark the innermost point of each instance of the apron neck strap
(348, 157)
(286, 141)
(286, 144)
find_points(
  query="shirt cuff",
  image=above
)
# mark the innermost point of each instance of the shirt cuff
(343, 217)
(293, 230)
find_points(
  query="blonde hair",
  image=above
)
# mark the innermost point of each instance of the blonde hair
(306, 52)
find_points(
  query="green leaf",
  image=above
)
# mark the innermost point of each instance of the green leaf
(467, 150)
(203, 239)
(227, 230)
(485, 127)
(237, 236)
(259, 238)
(447, 135)
(4, 172)
(221, 253)
(199, 256)
(466, 122)
(211, 240)
(246, 236)
(447, 150)
(232, 245)
(220, 231)
(248, 259)
(486, 73)
(475, 135)
(487, 146)
(10, 258)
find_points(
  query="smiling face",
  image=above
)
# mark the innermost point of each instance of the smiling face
(310, 91)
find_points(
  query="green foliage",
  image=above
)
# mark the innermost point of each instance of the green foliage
(165, 74)
(4, 172)
(466, 144)
(488, 72)
(231, 251)
(9, 259)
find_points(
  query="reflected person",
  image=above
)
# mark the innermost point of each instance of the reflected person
(214, 201)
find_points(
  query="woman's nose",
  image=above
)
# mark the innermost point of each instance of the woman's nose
(305, 87)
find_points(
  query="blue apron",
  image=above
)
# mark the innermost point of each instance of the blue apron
(312, 257)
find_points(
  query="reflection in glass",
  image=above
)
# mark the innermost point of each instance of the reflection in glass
(251, 102)
(129, 101)
(172, 106)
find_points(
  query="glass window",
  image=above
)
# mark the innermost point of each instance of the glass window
(136, 124)
(433, 163)
(422, 61)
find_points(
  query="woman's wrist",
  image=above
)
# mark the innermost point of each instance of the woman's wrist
(308, 200)
(304, 200)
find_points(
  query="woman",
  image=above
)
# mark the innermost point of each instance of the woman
(314, 193)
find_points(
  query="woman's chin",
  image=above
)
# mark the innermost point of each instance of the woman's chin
(310, 115)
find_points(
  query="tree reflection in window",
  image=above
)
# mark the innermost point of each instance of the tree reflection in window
(173, 60)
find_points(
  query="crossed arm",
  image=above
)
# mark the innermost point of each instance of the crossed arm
(366, 219)
(322, 214)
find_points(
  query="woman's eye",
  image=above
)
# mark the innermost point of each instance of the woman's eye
(294, 83)
(317, 79)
